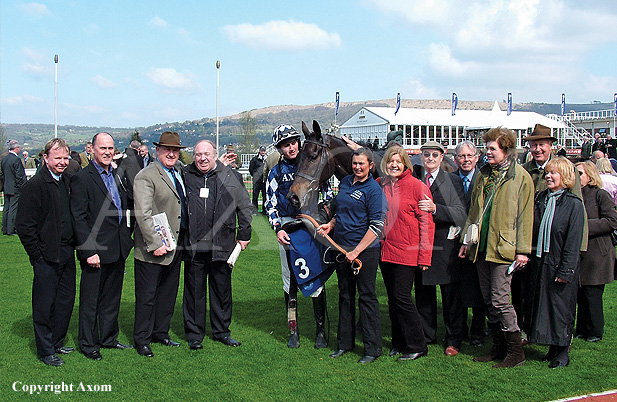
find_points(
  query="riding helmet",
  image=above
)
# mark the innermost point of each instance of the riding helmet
(284, 133)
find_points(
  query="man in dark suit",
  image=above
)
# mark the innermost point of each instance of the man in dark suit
(46, 232)
(158, 189)
(220, 211)
(14, 177)
(146, 158)
(448, 214)
(129, 166)
(466, 158)
(103, 238)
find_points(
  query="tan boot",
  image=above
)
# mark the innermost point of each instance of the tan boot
(498, 350)
(515, 356)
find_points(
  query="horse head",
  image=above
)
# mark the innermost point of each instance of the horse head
(315, 167)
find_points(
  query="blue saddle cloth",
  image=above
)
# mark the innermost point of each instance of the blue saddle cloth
(306, 258)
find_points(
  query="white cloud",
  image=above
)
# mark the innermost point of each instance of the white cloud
(282, 36)
(103, 82)
(91, 29)
(441, 59)
(157, 22)
(169, 79)
(415, 89)
(35, 64)
(35, 9)
(18, 100)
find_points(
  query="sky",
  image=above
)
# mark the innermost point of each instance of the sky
(138, 63)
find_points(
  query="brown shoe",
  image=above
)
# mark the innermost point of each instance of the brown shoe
(451, 351)
(498, 350)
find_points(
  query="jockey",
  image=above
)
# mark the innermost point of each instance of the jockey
(280, 211)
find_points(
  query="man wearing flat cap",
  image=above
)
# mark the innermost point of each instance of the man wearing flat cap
(448, 210)
(158, 189)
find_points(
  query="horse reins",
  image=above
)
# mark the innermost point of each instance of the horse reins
(356, 264)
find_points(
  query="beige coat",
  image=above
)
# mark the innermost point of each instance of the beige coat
(511, 220)
(154, 193)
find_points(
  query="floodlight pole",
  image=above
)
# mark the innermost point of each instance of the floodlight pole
(218, 68)
(56, 99)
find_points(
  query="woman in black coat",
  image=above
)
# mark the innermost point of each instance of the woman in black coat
(553, 279)
(597, 263)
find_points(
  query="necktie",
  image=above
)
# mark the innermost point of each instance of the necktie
(428, 179)
(466, 183)
(180, 191)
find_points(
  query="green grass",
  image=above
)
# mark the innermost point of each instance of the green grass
(263, 368)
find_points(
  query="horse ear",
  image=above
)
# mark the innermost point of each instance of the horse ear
(305, 130)
(317, 130)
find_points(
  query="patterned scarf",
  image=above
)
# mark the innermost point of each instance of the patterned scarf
(544, 234)
(496, 174)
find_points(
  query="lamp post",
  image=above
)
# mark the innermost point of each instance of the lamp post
(218, 68)
(56, 99)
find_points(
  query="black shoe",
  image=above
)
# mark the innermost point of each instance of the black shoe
(64, 350)
(229, 341)
(476, 342)
(394, 352)
(558, 364)
(338, 353)
(168, 342)
(195, 345)
(94, 355)
(412, 356)
(593, 339)
(367, 359)
(52, 360)
(144, 350)
(120, 346)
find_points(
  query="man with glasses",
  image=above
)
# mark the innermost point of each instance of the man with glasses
(448, 213)
(466, 158)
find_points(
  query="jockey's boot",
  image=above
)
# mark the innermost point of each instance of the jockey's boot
(319, 308)
(292, 322)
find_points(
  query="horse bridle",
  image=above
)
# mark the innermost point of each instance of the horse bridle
(324, 156)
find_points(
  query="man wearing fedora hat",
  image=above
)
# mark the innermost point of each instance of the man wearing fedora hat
(540, 145)
(158, 188)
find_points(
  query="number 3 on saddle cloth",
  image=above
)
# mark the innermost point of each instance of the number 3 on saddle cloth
(307, 262)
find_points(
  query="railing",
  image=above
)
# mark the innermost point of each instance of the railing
(581, 116)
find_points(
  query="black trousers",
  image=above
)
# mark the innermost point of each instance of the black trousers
(370, 320)
(9, 213)
(53, 297)
(156, 289)
(200, 272)
(407, 333)
(100, 292)
(590, 314)
(259, 187)
(453, 313)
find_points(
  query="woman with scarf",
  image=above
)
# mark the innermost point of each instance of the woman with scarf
(502, 212)
(553, 276)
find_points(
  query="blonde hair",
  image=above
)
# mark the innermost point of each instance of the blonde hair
(565, 169)
(592, 172)
(604, 166)
(400, 151)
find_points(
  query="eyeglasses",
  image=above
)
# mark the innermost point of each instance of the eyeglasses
(428, 154)
(468, 156)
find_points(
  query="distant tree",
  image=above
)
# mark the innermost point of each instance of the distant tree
(135, 136)
(248, 140)
(185, 157)
(2, 139)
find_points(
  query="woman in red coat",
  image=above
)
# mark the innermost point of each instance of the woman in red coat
(408, 243)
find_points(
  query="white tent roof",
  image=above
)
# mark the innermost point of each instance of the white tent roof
(470, 119)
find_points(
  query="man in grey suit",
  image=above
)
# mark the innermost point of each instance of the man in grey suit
(159, 188)
(14, 177)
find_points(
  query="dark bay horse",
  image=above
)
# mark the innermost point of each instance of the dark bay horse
(321, 157)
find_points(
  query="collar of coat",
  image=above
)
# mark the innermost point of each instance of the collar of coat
(510, 173)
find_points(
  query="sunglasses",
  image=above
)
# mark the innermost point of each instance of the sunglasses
(428, 154)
